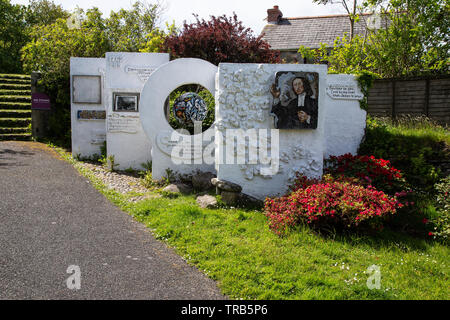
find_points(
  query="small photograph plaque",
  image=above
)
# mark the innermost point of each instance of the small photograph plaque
(126, 102)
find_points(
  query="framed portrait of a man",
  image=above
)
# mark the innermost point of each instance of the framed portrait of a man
(126, 102)
(295, 100)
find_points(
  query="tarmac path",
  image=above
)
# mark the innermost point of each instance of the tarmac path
(51, 218)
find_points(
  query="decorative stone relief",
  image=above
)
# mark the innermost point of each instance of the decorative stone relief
(244, 100)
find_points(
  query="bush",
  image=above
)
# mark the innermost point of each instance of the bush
(368, 170)
(440, 222)
(410, 144)
(330, 202)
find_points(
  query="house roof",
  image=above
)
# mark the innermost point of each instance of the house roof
(291, 33)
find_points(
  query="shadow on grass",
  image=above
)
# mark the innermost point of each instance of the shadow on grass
(386, 238)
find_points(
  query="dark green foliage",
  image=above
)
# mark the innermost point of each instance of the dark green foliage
(43, 12)
(411, 151)
(416, 146)
(440, 221)
(12, 36)
(412, 39)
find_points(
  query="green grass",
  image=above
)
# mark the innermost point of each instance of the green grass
(419, 127)
(248, 261)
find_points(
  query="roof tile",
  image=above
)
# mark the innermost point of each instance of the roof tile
(291, 33)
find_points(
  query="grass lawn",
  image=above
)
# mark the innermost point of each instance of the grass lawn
(236, 248)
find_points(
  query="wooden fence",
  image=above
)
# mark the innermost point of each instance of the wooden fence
(429, 96)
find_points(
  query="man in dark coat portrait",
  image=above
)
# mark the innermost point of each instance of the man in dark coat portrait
(301, 112)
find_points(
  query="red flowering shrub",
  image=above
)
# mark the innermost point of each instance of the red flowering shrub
(369, 171)
(330, 202)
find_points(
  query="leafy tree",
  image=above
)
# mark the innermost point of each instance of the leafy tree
(221, 39)
(129, 30)
(412, 39)
(12, 36)
(44, 12)
(155, 39)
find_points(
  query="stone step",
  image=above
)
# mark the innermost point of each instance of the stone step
(14, 76)
(15, 113)
(15, 98)
(14, 81)
(14, 130)
(15, 137)
(15, 105)
(14, 86)
(4, 92)
(14, 122)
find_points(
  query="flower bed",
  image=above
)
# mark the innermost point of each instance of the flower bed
(356, 191)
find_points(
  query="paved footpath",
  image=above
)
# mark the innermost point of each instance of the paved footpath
(51, 217)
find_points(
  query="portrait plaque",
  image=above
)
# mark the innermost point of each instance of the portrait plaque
(295, 100)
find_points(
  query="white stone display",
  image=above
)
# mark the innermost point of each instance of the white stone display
(264, 160)
(88, 129)
(345, 121)
(153, 96)
(126, 74)
(244, 102)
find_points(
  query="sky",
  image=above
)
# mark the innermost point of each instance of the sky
(251, 12)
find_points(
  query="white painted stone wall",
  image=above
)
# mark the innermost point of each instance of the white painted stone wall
(345, 121)
(87, 135)
(158, 87)
(243, 100)
(127, 73)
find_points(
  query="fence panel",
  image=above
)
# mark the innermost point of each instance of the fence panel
(429, 96)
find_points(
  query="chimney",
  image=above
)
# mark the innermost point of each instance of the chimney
(274, 15)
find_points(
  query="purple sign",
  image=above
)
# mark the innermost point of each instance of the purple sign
(40, 101)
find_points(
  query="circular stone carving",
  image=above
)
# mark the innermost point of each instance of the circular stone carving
(162, 82)
(189, 107)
